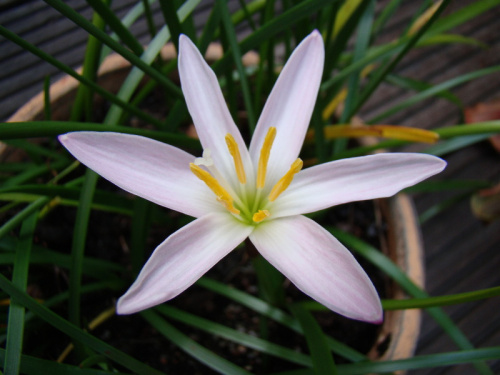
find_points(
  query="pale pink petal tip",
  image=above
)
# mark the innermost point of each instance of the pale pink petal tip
(319, 265)
(181, 260)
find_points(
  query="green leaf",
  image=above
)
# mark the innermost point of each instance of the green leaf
(423, 361)
(316, 341)
(442, 87)
(15, 327)
(451, 39)
(387, 266)
(31, 366)
(267, 310)
(241, 338)
(419, 303)
(191, 347)
(33, 129)
(74, 332)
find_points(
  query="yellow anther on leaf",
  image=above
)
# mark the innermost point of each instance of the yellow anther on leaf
(285, 181)
(265, 151)
(235, 153)
(260, 215)
(222, 195)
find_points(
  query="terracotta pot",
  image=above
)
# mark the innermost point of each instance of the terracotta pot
(399, 332)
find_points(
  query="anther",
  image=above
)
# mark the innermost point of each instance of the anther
(265, 151)
(260, 215)
(285, 181)
(235, 153)
(222, 195)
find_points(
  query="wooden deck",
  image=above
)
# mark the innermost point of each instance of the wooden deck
(462, 254)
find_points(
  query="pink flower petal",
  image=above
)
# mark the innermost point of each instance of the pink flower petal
(290, 105)
(182, 259)
(355, 179)
(319, 265)
(209, 110)
(150, 169)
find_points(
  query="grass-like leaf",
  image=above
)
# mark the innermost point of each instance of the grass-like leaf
(316, 341)
(74, 332)
(15, 327)
(191, 347)
(388, 267)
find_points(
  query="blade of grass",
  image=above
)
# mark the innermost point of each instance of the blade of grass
(15, 221)
(78, 247)
(84, 96)
(66, 69)
(360, 47)
(35, 129)
(416, 85)
(389, 67)
(431, 186)
(47, 110)
(389, 268)
(171, 20)
(237, 56)
(321, 355)
(74, 332)
(141, 220)
(262, 307)
(437, 89)
(278, 24)
(149, 18)
(191, 347)
(422, 361)
(443, 205)
(241, 338)
(136, 75)
(438, 301)
(32, 366)
(15, 327)
(81, 21)
(116, 25)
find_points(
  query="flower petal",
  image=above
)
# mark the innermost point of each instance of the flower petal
(290, 105)
(354, 179)
(150, 169)
(209, 110)
(182, 259)
(319, 265)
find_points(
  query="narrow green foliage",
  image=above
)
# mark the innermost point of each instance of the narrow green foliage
(191, 347)
(316, 341)
(419, 303)
(15, 328)
(237, 55)
(241, 338)
(388, 267)
(74, 332)
(171, 20)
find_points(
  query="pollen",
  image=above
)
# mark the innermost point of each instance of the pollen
(260, 215)
(265, 151)
(285, 181)
(235, 153)
(222, 195)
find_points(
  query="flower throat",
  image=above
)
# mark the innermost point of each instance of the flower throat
(252, 210)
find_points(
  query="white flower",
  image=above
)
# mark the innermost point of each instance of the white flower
(260, 193)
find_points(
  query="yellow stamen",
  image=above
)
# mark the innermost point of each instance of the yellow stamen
(265, 151)
(229, 206)
(235, 153)
(222, 195)
(260, 215)
(285, 181)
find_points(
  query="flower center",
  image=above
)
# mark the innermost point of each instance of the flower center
(252, 208)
